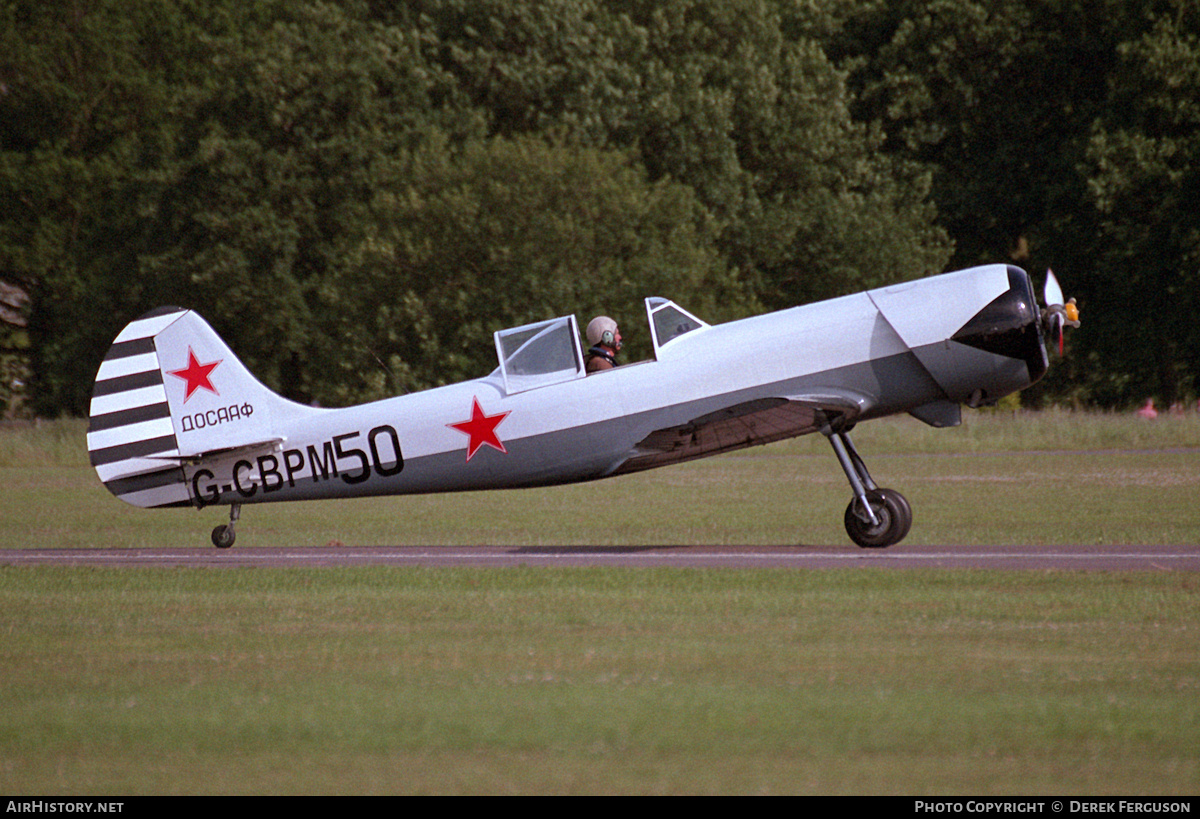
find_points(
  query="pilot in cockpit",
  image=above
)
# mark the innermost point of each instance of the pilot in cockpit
(605, 338)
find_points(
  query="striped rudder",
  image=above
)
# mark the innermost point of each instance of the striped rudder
(131, 439)
(170, 396)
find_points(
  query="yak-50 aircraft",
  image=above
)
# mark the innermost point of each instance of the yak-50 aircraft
(177, 420)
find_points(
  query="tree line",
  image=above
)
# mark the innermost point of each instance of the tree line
(357, 193)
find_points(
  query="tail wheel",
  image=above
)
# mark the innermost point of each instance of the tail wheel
(892, 512)
(223, 536)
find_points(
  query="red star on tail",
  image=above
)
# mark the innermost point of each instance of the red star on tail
(481, 430)
(196, 375)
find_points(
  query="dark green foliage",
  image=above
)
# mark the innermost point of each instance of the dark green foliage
(736, 100)
(512, 230)
(358, 193)
(1144, 175)
(1064, 135)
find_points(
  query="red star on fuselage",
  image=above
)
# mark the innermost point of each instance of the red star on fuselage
(481, 430)
(196, 375)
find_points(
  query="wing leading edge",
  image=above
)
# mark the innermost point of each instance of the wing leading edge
(745, 424)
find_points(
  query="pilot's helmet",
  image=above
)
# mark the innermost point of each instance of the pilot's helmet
(602, 330)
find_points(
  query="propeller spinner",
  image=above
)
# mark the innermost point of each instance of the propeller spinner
(1056, 314)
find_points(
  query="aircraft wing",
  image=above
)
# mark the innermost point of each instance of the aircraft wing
(744, 424)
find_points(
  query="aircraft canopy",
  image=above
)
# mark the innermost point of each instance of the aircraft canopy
(669, 321)
(549, 352)
(539, 354)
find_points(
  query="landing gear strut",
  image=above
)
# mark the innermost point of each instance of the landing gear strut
(223, 536)
(876, 518)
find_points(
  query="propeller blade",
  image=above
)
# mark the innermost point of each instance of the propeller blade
(1058, 312)
(1053, 293)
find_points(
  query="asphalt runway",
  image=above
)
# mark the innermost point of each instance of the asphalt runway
(1044, 558)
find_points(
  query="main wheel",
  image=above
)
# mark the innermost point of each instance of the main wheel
(223, 536)
(905, 508)
(894, 516)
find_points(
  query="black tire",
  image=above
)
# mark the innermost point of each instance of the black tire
(894, 516)
(903, 503)
(223, 536)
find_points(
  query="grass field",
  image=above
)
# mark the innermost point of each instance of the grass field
(1052, 477)
(672, 681)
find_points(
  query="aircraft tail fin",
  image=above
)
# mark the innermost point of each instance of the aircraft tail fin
(168, 392)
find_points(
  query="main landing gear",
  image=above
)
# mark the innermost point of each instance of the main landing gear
(876, 518)
(223, 536)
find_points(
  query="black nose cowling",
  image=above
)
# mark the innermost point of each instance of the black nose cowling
(1010, 326)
